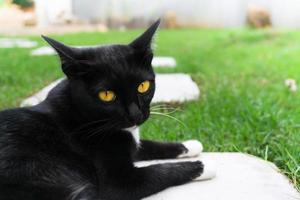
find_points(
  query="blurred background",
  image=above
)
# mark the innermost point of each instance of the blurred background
(243, 55)
(121, 14)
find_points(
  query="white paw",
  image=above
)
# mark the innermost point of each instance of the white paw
(209, 171)
(194, 148)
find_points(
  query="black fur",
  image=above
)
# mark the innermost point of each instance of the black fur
(73, 146)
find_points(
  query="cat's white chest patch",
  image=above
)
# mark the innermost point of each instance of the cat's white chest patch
(135, 132)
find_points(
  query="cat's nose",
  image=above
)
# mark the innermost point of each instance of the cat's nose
(135, 115)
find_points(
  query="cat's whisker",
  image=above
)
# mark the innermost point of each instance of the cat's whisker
(164, 107)
(169, 110)
(92, 123)
(96, 130)
(169, 116)
(102, 131)
(99, 130)
(161, 105)
(87, 131)
(158, 106)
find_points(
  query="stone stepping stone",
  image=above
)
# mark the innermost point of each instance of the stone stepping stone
(16, 42)
(164, 61)
(177, 87)
(169, 88)
(239, 177)
(47, 51)
(43, 51)
(161, 61)
(40, 96)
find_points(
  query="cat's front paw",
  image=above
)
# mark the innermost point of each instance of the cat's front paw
(209, 171)
(192, 149)
(187, 171)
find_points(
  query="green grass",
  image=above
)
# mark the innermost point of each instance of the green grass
(244, 105)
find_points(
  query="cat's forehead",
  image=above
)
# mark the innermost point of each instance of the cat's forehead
(107, 53)
(117, 63)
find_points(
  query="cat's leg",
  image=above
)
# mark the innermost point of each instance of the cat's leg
(137, 183)
(149, 150)
(32, 180)
(46, 191)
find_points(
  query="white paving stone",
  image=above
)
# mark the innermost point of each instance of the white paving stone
(164, 61)
(41, 95)
(239, 177)
(16, 42)
(175, 88)
(47, 51)
(169, 88)
(160, 61)
(42, 51)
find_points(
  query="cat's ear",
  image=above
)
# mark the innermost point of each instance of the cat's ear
(144, 41)
(65, 53)
(70, 66)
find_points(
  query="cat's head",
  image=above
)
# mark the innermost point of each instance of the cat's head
(113, 82)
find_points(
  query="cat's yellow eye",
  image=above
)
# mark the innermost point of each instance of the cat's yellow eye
(144, 87)
(107, 96)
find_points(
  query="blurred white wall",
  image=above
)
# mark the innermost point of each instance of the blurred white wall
(214, 13)
(54, 11)
(210, 13)
(284, 13)
(91, 10)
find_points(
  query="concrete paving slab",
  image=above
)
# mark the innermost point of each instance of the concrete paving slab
(239, 177)
(16, 42)
(160, 61)
(39, 96)
(47, 51)
(164, 61)
(175, 88)
(42, 51)
(169, 88)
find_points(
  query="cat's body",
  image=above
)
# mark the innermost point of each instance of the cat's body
(73, 146)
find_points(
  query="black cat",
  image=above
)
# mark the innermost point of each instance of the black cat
(82, 141)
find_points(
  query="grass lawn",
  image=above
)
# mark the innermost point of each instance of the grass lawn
(244, 105)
